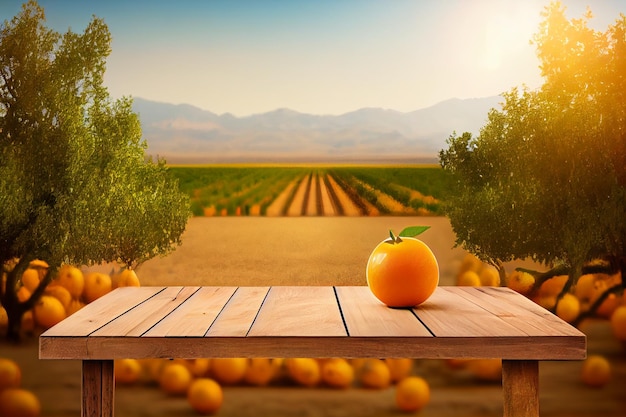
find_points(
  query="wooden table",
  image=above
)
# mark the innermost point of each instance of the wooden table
(281, 322)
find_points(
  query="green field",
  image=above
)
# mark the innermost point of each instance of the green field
(251, 189)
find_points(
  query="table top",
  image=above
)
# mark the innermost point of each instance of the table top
(310, 321)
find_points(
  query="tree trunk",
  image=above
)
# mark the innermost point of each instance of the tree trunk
(15, 312)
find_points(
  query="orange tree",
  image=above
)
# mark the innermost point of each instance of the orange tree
(75, 184)
(546, 178)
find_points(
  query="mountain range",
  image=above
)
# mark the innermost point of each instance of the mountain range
(182, 133)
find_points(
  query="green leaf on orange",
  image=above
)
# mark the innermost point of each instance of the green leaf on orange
(413, 231)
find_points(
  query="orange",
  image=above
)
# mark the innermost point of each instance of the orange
(568, 307)
(127, 371)
(584, 287)
(412, 394)
(618, 323)
(199, 367)
(489, 277)
(402, 273)
(40, 266)
(38, 263)
(548, 302)
(205, 396)
(553, 286)
(4, 319)
(28, 322)
(96, 285)
(468, 279)
(48, 311)
(608, 306)
(71, 278)
(17, 402)
(303, 371)
(399, 368)
(10, 374)
(155, 367)
(228, 371)
(375, 374)
(259, 371)
(337, 373)
(175, 379)
(470, 262)
(60, 293)
(127, 278)
(30, 279)
(457, 363)
(357, 363)
(596, 371)
(486, 369)
(74, 305)
(519, 281)
(23, 294)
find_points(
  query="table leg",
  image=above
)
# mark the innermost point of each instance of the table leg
(98, 388)
(520, 386)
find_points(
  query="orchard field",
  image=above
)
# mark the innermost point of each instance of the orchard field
(316, 225)
(367, 190)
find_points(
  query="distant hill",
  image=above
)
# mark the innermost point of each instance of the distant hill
(184, 133)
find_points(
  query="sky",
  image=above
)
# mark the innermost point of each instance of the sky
(318, 56)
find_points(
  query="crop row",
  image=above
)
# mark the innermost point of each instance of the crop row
(306, 191)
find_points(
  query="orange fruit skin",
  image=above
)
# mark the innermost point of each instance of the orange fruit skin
(127, 371)
(412, 394)
(596, 371)
(205, 396)
(375, 374)
(127, 278)
(228, 371)
(48, 311)
(402, 274)
(10, 374)
(97, 284)
(337, 373)
(18, 402)
(175, 379)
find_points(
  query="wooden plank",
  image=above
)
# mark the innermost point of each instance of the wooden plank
(195, 315)
(98, 389)
(518, 311)
(447, 314)
(291, 319)
(239, 313)
(101, 311)
(299, 311)
(140, 319)
(365, 315)
(520, 388)
(518, 348)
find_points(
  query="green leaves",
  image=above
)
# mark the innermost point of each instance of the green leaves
(410, 231)
(413, 231)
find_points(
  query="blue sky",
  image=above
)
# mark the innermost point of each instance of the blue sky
(317, 56)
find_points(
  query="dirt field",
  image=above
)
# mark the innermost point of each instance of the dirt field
(328, 251)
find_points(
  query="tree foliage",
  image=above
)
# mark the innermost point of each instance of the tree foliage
(75, 184)
(546, 178)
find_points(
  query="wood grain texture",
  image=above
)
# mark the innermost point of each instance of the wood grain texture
(520, 312)
(520, 388)
(138, 320)
(317, 321)
(102, 311)
(98, 389)
(195, 316)
(447, 314)
(365, 315)
(285, 321)
(299, 311)
(239, 313)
